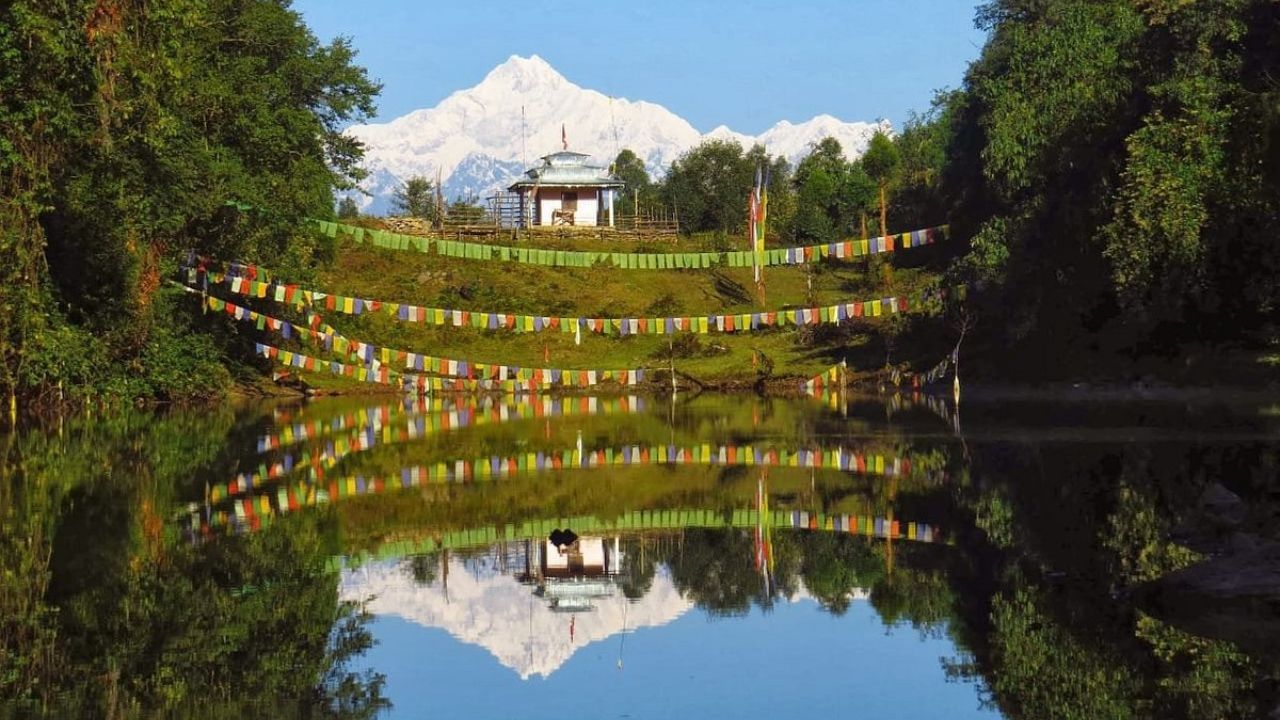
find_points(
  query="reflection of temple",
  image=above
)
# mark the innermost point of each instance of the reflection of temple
(489, 602)
(572, 578)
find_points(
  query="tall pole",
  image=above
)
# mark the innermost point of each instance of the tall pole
(884, 213)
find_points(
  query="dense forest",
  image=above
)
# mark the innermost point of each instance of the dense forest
(1112, 167)
(124, 128)
(1111, 170)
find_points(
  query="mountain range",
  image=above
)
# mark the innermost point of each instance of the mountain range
(481, 139)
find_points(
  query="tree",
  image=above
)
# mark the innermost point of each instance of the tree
(831, 192)
(925, 143)
(629, 168)
(128, 128)
(347, 208)
(1123, 206)
(708, 186)
(880, 162)
(416, 197)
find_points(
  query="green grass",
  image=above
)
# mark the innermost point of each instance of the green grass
(716, 359)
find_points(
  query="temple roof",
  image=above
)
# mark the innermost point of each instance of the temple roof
(567, 169)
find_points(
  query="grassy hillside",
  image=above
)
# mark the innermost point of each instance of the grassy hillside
(715, 359)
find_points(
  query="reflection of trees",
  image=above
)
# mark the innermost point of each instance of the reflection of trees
(714, 569)
(1062, 528)
(922, 598)
(639, 565)
(247, 617)
(135, 620)
(422, 569)
(833, 567)
(1047, 670)
(1200, 678)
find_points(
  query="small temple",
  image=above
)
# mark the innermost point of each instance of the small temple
(565, 190)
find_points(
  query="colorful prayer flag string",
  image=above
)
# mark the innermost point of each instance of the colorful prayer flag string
(836, 313)
(450, 375)
(438, 414)
(756, 256)
(496, 467)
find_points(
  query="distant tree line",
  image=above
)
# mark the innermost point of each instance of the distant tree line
(825, 197)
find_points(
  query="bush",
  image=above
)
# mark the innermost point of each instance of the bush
(61, 352)
(181, 365)
(175, 362)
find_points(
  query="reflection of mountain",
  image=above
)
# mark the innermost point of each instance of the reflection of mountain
(503, 616)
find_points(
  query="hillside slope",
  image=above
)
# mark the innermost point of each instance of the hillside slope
(780, 357)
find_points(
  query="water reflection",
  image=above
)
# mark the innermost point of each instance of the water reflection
(324, 557)
(106, 611)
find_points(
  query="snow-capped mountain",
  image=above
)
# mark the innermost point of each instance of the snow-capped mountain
(477, 142)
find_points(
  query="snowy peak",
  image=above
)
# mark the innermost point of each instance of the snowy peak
(795, 141)
(480, 139)
(523, 75)
(722, 132)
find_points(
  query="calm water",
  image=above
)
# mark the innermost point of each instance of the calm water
(734, 557)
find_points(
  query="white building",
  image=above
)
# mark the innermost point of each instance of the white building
(565, 190)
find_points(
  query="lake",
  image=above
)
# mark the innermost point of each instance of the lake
(629, 557)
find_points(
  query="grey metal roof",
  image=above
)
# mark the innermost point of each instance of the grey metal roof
(567, 169)
(565, 157)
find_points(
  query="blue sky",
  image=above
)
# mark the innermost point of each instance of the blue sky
(746, 64)
(797, 661)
